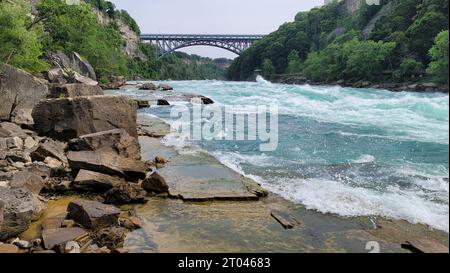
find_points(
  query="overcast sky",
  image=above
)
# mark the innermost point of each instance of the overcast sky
(213, 17)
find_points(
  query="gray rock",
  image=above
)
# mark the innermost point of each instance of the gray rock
(97, 182)
(29, 143)
(73, 62)
(155, 183)
(8, 129)
(107, 163)
(30, 181)
(73, 90)
(116, 141)
(92, 214)
(148, 86)
(54, 237)
(17, 211)
(111, 237)
(70, 118)
(125, 193)
(19, 90)
(50, 148)
(57, 75)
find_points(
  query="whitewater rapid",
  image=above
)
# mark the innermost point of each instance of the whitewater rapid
(351, 152)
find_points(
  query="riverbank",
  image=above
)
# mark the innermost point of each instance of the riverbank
(393, 86)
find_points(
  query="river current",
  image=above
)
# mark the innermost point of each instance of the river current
(351, 152)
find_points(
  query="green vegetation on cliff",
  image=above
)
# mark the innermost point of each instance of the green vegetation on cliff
(330, 43)
(25, 40)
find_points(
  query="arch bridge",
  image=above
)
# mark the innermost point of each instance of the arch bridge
(168, 43)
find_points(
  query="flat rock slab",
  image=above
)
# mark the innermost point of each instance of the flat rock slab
(425, 246)
(53, 237)
(152, 127)
(197, 177)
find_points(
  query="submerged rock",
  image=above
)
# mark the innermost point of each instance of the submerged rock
(70, 118)
(165, 87)
(148, 86)
(92, 214)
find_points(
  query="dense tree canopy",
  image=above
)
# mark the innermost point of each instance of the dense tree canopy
(24, 41)
(327, 44)
(20, 44)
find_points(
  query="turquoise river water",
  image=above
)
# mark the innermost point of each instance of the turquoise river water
(351, 152)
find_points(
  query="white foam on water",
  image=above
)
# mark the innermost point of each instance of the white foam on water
(328, 196)
(365, 159)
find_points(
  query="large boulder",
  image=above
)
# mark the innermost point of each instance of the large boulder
(92, 214)
(17, 212)
(72, 90)
(19, 90)
(107, 163)
(116, 141)
(69, 118)
(73, 62)
(97, 182)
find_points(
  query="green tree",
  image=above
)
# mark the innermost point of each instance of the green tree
(438, 67)
(294, 62)
(409, 68)
(268, 69)
(366, 59)
(20, 45)
(75, 28)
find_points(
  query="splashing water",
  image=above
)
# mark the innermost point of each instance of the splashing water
(352, 152)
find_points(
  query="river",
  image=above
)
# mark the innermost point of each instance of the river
(351, 152)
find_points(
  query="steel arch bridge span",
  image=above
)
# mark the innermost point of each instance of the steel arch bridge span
(168, 43)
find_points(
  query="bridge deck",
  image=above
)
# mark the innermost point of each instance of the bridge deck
(156, 37)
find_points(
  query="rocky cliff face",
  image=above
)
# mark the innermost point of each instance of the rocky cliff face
(130, 37)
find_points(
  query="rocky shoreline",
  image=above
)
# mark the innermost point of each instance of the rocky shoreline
(81, 172)
(390, 86)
